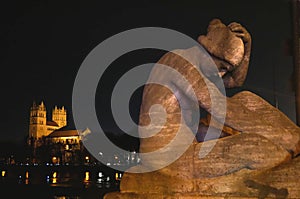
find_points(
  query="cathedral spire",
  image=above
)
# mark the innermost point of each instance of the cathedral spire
(33, 105)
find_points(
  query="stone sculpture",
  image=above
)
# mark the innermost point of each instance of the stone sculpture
(261, 141)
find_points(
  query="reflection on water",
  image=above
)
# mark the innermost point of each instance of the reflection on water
(87, 177)
(59, 182)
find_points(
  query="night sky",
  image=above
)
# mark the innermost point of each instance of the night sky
(43, 44)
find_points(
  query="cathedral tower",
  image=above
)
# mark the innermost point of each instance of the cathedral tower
(59, 115)
(38, 120)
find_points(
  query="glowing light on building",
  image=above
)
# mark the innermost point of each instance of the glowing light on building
(3, 173)
(27, 175)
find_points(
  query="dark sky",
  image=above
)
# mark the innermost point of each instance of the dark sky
(43, 44)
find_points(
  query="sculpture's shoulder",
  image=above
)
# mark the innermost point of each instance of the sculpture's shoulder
(195, 56)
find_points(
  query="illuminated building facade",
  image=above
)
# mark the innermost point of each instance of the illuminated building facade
(39, 126)
(54, 142)
(52, 136)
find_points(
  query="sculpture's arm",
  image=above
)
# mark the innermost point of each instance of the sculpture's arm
(198, 85)
(236, 77)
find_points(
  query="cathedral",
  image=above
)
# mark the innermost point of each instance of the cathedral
(63, 143)
(54, 130)
(39, 126)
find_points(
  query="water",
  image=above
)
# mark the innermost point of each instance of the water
(58, 182)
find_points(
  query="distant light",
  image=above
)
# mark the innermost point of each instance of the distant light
(55, 160)
(107, 185)
(26, 175)
(3, 173)
(87, 176)
(118, 176)
(87, 157)
(54, 179)
(99, 180)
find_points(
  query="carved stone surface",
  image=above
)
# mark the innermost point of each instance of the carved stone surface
(255, 162)
(283, 179)
(218, 34)
(233, 153)
(249, 113)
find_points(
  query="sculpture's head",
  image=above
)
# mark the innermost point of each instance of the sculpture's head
(225, 47)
